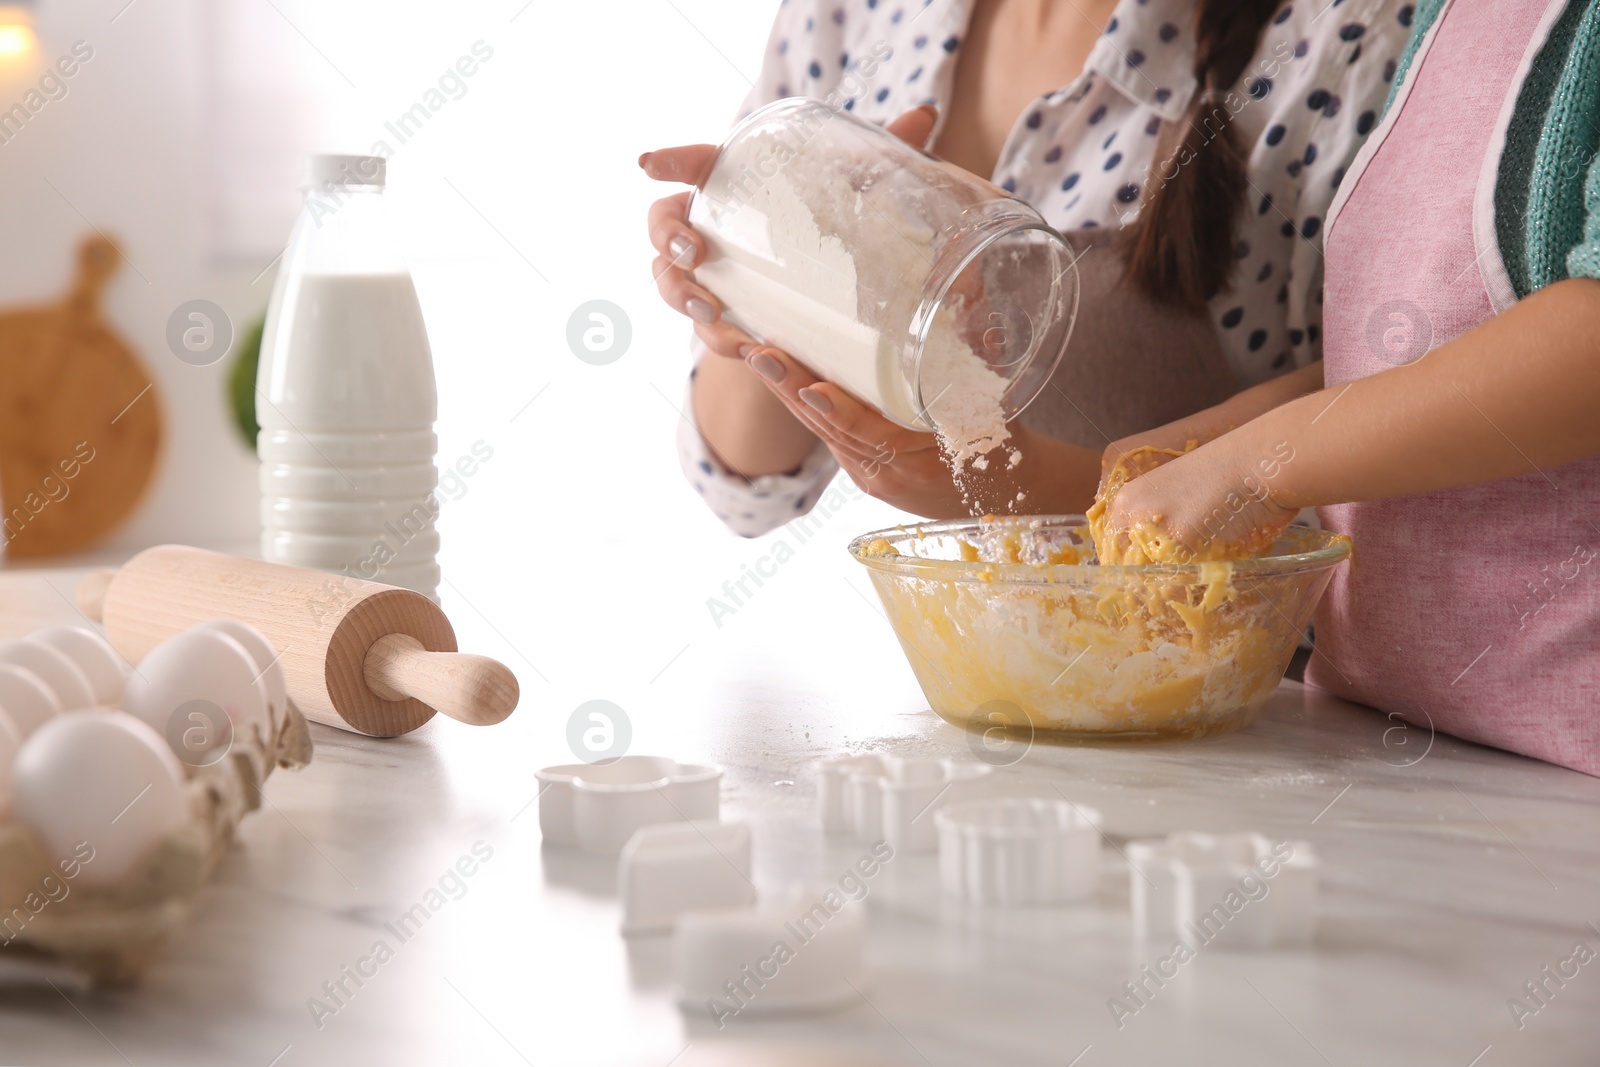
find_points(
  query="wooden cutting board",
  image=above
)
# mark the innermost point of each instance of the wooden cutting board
(80, 422)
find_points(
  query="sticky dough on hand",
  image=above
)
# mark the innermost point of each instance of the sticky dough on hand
(1149, 542)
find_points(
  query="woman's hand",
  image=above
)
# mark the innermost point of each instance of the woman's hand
(679, 249)
(898, 466)
(905, 468)
(1216, 502)
(753, 428)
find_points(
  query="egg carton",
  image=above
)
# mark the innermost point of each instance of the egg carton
(598, 806)
(110, 934)
(1239, 890)
(893, 798)
(1019, 852)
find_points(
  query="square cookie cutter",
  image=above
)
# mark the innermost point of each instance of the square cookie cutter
(1240, 890)
(671, 868)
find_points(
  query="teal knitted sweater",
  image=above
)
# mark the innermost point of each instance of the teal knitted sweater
(1547, 193)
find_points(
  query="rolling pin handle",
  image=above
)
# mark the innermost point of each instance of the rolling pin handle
(474, 689)
(91, 595)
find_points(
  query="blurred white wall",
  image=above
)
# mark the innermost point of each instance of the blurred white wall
(179, 138)
(517, 201)
(120, 151)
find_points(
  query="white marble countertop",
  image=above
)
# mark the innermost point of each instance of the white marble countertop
(1451, 876)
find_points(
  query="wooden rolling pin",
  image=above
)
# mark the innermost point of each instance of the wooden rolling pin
(358, 655)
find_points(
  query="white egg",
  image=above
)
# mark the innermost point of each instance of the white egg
(55, 668)
(97, 783)
(266, 660)
(180, 684)
(10, 741)
(26, 699)
(106, 671)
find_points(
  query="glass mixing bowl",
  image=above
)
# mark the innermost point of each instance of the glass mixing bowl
(1011, 625)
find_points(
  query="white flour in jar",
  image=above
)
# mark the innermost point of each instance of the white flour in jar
(966, 401)
(778, 264)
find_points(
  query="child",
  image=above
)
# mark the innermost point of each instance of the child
(1454, 429)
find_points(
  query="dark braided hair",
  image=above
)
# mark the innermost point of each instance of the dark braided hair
(1182, 250)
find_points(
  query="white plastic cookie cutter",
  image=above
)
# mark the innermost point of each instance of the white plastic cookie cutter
(1019, 852)
(799, 951)
(892, 798)
(599, 806)
(1241, 888)
(672, 868)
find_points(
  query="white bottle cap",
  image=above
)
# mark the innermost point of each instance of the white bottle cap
(323, 170)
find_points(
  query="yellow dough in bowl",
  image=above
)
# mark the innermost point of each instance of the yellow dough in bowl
(1010, 622)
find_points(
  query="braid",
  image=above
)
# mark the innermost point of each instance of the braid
(1182, 250)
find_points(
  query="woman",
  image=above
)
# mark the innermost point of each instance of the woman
(1452, 432)
(1199, 145)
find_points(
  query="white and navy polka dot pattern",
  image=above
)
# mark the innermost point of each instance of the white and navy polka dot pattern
(1085, 154)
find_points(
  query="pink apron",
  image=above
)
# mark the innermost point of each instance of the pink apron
(1475, 611)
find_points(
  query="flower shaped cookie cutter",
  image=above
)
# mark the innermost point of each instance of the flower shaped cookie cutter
(1019, 852)
(1241, 890)
(599, 806)
(891, 798)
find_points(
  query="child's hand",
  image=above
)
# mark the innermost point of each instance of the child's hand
(1213, 503)
(1203, 426)
(1149, 449)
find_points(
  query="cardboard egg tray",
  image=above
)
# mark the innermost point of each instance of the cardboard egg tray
(110, 934)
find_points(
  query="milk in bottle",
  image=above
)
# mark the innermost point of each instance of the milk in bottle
(345, 393)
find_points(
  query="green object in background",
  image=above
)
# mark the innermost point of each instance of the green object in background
(242, 382)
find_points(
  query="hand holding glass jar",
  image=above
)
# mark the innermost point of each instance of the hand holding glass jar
(929, 294)
(759, 410)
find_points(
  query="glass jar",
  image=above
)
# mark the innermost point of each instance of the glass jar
(883, 269)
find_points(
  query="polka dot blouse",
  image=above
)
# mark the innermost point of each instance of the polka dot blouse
(1083, 155)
